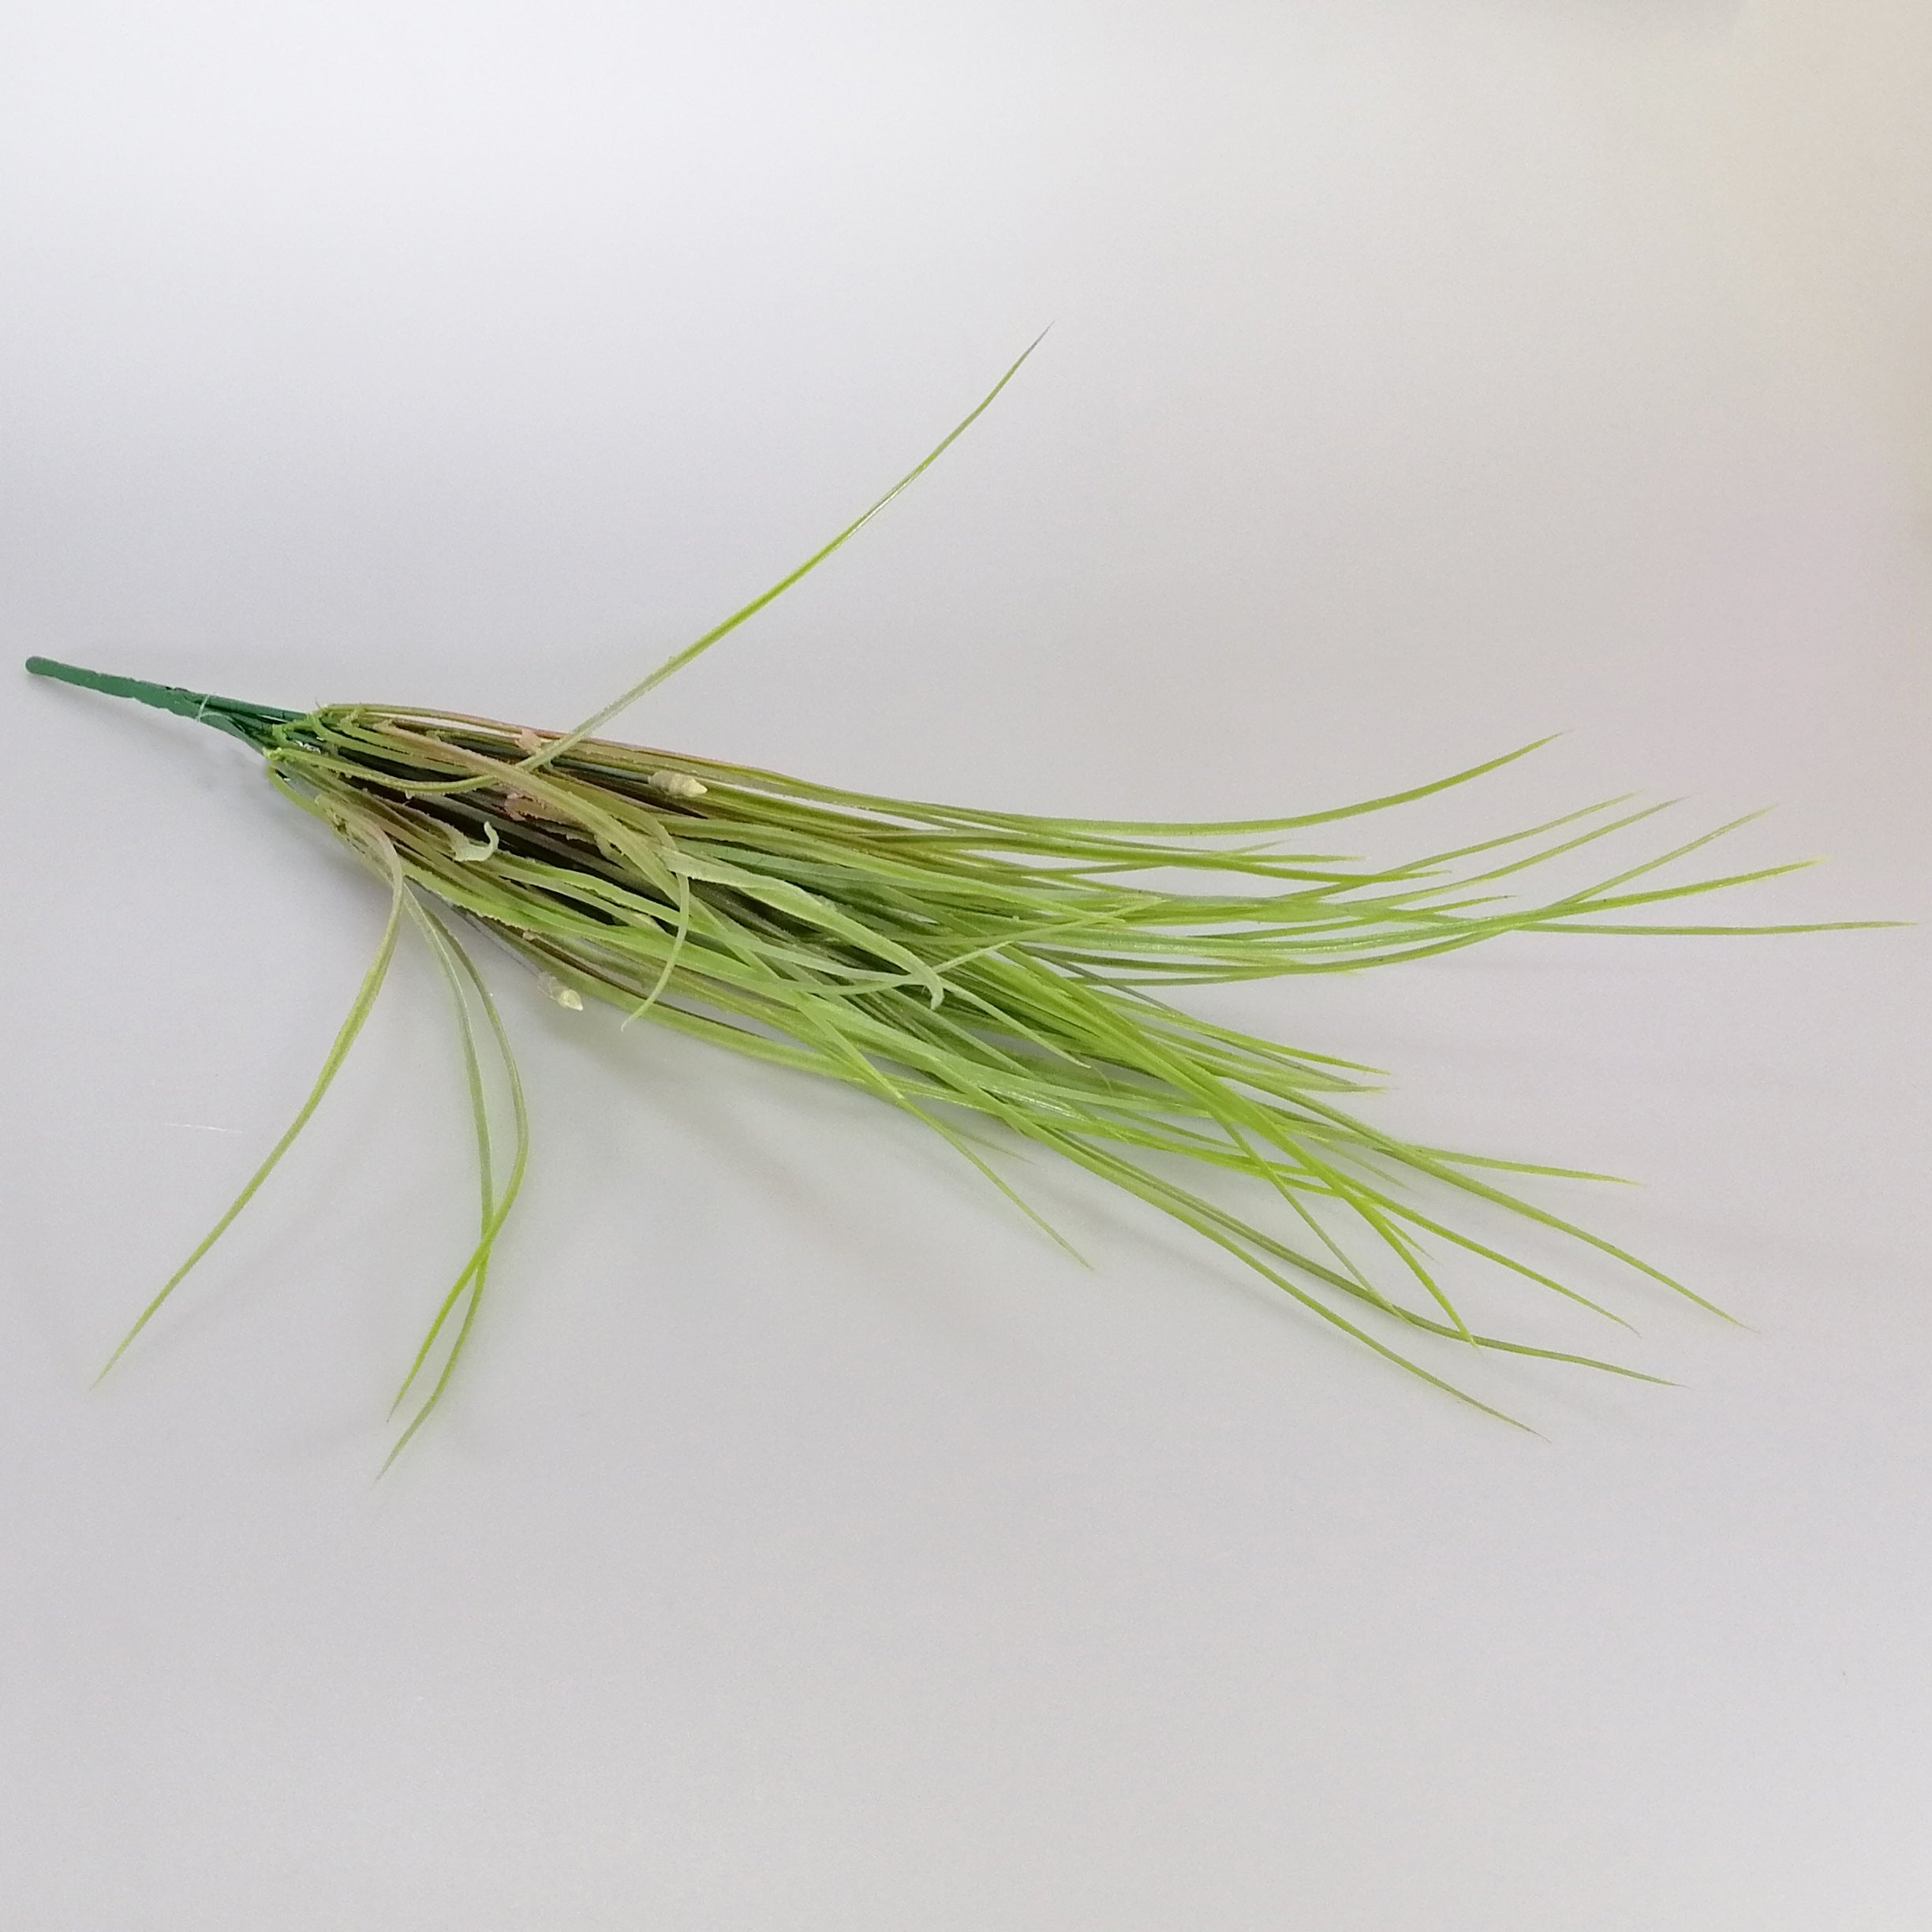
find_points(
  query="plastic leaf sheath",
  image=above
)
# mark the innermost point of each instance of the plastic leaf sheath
(959, 963)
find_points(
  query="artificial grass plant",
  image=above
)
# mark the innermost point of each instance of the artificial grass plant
(979, 970)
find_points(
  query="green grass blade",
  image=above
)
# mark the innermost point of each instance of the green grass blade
(346, 1038)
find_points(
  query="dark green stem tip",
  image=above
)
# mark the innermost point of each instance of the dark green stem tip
(253, 723)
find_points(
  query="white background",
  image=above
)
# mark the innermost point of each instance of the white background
(807, 1543)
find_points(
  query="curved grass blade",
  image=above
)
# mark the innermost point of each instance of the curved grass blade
(463, 980)
(346, 1038)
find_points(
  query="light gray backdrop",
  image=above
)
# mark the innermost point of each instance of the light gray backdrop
(808, 1544)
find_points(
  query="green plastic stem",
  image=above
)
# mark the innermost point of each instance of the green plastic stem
(254, 724)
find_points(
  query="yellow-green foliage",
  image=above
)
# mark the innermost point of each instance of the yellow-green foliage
(979, 970)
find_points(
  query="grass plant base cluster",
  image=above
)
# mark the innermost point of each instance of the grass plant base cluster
(1005, 978)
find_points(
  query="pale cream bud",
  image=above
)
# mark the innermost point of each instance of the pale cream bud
(676, 784)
